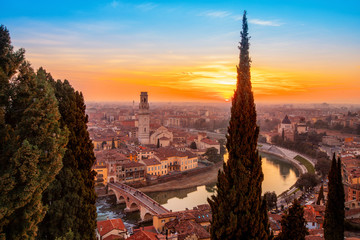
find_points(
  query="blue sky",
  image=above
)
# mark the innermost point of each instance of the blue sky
(297, 47)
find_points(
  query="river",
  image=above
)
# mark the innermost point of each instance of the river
(278, 176)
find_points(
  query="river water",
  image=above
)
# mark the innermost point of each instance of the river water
(279, 176)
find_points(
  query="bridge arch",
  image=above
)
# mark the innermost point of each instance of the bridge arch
(136, 201)
(134, 207)
(147, 217)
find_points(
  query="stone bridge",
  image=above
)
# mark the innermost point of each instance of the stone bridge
(136, 201)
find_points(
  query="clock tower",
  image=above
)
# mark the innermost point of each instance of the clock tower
(144, 119)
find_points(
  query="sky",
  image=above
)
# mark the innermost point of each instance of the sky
(302, 51)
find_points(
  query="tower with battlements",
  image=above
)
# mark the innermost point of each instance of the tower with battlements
(144, 119)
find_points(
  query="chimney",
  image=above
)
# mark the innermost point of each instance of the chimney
(107, 218)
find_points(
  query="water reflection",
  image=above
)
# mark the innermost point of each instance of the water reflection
(278, 176)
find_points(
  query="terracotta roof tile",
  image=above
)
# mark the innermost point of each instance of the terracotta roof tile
(150, 161)
(143, 235)
(106, 226)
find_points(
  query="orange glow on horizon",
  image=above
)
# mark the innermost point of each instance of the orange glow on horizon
(203, 80)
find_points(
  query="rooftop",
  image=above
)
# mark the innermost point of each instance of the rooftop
(106, 226)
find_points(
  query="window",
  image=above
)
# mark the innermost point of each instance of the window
(162, 221)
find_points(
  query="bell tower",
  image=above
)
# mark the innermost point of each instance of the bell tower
(144, 119)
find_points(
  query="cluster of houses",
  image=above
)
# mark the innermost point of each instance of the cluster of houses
(194, 224)
(134, 153)
(188, 224)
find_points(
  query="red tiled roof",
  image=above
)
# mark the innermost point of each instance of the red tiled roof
(130, 164)
(351, 212)
(209, 141)
(109, 155)
(276, 217)
(112, 237)
(150, 161)
(309, 215)
(166, 152)
(188, 228)
(319, 208)
(106, 226)
(143, 235)
(316, 232)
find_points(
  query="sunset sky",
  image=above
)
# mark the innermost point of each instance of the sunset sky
(302, 51)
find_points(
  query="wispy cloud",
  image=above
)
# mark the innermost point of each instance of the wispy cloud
(146, 6)
(216, 14)
(265, 23)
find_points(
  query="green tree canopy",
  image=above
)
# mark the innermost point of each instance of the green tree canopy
(71, 197)
(32, 143)
(307, 181)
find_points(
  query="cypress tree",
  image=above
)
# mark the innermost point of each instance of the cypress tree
(321, 195)
(32, 143)
(341, 201)
(236, 207)
(293, 225)
(335, 212)
(71, 197)
(113, 144)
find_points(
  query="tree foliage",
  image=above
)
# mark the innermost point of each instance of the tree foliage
(271, 200)
(32, 142)
(71, 197)
(307, 181)
(237, 211)
(212, 155)
(322, 166)
(321, 195)
(335, 208)
(304, 147)
(293, 225)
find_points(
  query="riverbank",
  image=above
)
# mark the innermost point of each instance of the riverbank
(302, 163)
(207, 176)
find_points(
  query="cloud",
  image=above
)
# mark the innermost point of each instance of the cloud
(265, 23)
(146, 6)
(216, 14)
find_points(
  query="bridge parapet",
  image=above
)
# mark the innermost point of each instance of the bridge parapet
(134, 197)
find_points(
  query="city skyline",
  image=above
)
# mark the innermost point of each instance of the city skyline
(185, 51)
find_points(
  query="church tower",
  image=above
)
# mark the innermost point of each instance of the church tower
(144, 119)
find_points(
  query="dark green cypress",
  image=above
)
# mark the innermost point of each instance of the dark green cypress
(32, 143)
(335, 212)
(236, 208)
(293, 225)
(71, 197)
(341, 201)
(321, 195)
